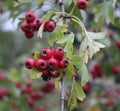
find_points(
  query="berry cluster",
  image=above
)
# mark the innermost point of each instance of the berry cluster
(30, 25)
(82, 4)
(49, 63)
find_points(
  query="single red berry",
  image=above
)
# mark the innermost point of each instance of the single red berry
(55, 74)
(49, 26)
(29, 34)
(19, 84)
(116, 69)
(58, 53)
(30, 102)
(46, 53)
(40, 95)
(25, 26)
(29, 84)
(33, 94)
(110, 102)
(39, 23)
(34, 26)
(118, 44)
(30, 17)
(29, 63)
(82, 4)
(63, 63)
(52, 64)
(41, 64)
(26, 90)
(110, 34)
(87, 87)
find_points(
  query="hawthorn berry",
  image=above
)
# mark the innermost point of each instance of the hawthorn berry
(39, 23)
(30, 102)
(118, 44)
(29, 84)
(58, 53)
(29, 34)
(34, 26)
(116, 69)
(40, 95)
(46, 53)
(41, 64)
(25, 26)
(63, 63)
(52, 64)
(110, 102)
(33, 94)
(18, 84)
(82, 4)
(29, 63)
(49, 26)
(30, 17)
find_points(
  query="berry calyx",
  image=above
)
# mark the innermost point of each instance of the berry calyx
(46, 53)
(45, 77)
(58, 53)
(34, 26)
(30, 17)
(82, 4)
(49, 26)
(52, 64)
(29, 63)
(55, 74)
(41, 64)
(63, 63)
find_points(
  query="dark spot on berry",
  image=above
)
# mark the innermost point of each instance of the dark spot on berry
(27, 64)
(60, 50)
(66, 62)
(51, 64)
(44, 53)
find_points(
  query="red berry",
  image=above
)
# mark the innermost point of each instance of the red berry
(116, 69)
(55, 74)
(118, 44)
(28, 84)
(39, 23)
(19, 84)
(30, 101)
(41, 64)
(63, 63)
(82, 4)
(30, 17)
(49, 26)
(29, 34)
(46, 53)
(26, 90)
(29, 63)
(110, 102)
(110, 34)
(33, 94)
(58, 53)
(52, 64)
(34, 26)
(25, 26)
(40, 95)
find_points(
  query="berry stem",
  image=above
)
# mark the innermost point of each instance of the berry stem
(62, 92)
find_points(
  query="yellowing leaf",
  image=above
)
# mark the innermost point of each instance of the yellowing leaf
(34, 74)
(89, 46)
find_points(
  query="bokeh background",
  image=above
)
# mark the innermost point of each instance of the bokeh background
(18, 92)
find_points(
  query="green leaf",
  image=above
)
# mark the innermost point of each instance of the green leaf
(36, 55)
(40, 1)
(89, 46)
(25, 1)
(105, 10)
(81, 67)
(70, 71)
(66, 38)
(72, 102)
(34, 74)
(14, 75)
(57, 34)
(56, 82)
(79, 91)
(68, 49)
